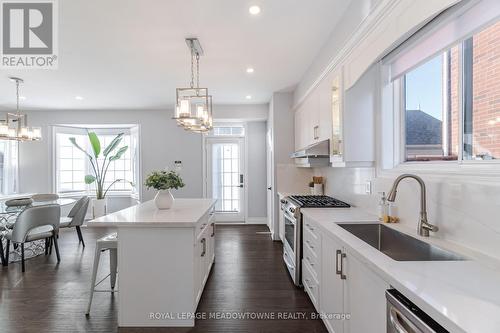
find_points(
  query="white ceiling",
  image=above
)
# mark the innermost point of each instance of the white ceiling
(131, 54)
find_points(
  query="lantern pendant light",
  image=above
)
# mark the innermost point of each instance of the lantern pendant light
(193, 108)
(15, 125)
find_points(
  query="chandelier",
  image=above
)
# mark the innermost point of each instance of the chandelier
(193, 108)
(15, 125)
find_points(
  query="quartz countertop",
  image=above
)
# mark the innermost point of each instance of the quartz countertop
(463, 296)
(184, 213)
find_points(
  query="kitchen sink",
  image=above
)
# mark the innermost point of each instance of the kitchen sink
(398, 245)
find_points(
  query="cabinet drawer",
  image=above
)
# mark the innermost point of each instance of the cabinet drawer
(311, 284)
(311, 258)
(311, 239)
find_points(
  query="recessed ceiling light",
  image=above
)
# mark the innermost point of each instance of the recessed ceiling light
(22, 98)
(250, 70)
(79, 98)
(248, 96)
(254, 10)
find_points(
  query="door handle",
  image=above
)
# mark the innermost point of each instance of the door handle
(269, 188)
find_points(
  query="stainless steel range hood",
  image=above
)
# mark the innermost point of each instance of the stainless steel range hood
(315, 155)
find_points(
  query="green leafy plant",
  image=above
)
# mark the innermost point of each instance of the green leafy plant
(164, 180)
(100, 169)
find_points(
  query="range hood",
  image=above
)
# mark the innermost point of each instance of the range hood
(315, 155)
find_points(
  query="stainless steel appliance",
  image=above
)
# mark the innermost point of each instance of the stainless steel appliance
(405, 317)
(292, 244)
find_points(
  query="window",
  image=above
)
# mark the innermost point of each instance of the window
(429, 97)
(481, 70)
(8, 167)
(228, 131)
(71, 164)
(452, 102)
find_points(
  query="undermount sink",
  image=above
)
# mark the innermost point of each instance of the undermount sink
(398, 245)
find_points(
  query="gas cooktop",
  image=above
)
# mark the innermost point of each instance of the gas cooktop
(318, 201)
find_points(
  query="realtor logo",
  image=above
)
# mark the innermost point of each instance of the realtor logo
(29, 34)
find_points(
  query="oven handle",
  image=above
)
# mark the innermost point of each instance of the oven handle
(289, 217)
(285, 259)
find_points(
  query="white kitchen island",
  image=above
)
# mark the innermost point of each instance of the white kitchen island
(164, 260)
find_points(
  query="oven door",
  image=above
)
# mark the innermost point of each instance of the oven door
(290, 229)
(291, 248)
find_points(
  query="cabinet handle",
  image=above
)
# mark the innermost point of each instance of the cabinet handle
(309, 243)
(342, 275)
(309, 261)
(316, 136)
(204, 242)
(213, 230)
(337, 254)
(203, 225)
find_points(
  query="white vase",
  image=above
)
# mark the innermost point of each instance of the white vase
(164, 199)
(99, 207)
(318, 189)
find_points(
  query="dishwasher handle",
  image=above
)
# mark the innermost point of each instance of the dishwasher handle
(399, 322)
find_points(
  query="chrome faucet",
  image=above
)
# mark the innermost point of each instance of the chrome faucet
(423, 225)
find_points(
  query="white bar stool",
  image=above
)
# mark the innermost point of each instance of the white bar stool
(108, 242)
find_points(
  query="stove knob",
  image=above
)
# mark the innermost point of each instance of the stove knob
(292, 210)
(283, 201)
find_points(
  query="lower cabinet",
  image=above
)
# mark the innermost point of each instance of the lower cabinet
(351, 297)
(204, 256)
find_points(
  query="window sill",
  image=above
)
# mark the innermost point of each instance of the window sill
(487, 171)
(91, 195)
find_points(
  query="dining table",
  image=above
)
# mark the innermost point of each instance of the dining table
(8, 216)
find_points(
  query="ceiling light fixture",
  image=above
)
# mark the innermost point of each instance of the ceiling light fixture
(250, 70)
(15, 125)
(193, 110)
(254, 10)
(79, 98)
(248, 97)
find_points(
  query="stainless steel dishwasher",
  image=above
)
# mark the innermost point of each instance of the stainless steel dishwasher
(405, 317)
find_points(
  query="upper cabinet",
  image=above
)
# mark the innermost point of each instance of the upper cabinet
(346, 118)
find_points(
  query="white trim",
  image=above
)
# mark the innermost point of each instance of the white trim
(256, 220)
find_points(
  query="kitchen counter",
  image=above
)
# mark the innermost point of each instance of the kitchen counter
(184, 213)
(463, 296)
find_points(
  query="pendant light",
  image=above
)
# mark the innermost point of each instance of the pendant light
(15, 125)
(193, 108)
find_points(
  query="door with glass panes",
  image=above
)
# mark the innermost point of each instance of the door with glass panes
(225, 177)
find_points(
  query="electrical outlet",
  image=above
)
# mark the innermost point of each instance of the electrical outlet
(368, 187)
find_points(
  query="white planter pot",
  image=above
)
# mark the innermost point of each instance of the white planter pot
(99, 207)
(164, 199)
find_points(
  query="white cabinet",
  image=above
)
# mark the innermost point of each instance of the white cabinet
(364, 298)
(340, 284)
(204, 254)
(346, 118)
(331, 298)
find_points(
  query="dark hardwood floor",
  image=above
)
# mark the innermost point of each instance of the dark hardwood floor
(248, 277)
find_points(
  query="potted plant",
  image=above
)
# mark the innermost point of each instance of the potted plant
(100, 168)
(164, 181)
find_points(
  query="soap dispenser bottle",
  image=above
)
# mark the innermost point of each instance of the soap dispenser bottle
(383, 207)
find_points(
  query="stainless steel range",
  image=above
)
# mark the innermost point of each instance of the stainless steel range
(292, 244)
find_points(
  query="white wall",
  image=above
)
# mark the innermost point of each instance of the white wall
(247, 112)
(161, 143)
(256, 182)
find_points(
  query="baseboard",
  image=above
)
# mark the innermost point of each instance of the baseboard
(256, 220)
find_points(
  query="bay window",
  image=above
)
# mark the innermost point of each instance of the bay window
(71, 164)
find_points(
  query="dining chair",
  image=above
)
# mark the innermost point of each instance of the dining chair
(44, 197)
(76, 217)
(34, 223)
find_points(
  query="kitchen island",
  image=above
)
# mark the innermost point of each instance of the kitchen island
(164, 260)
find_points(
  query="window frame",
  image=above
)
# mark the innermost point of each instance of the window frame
(100, 130)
